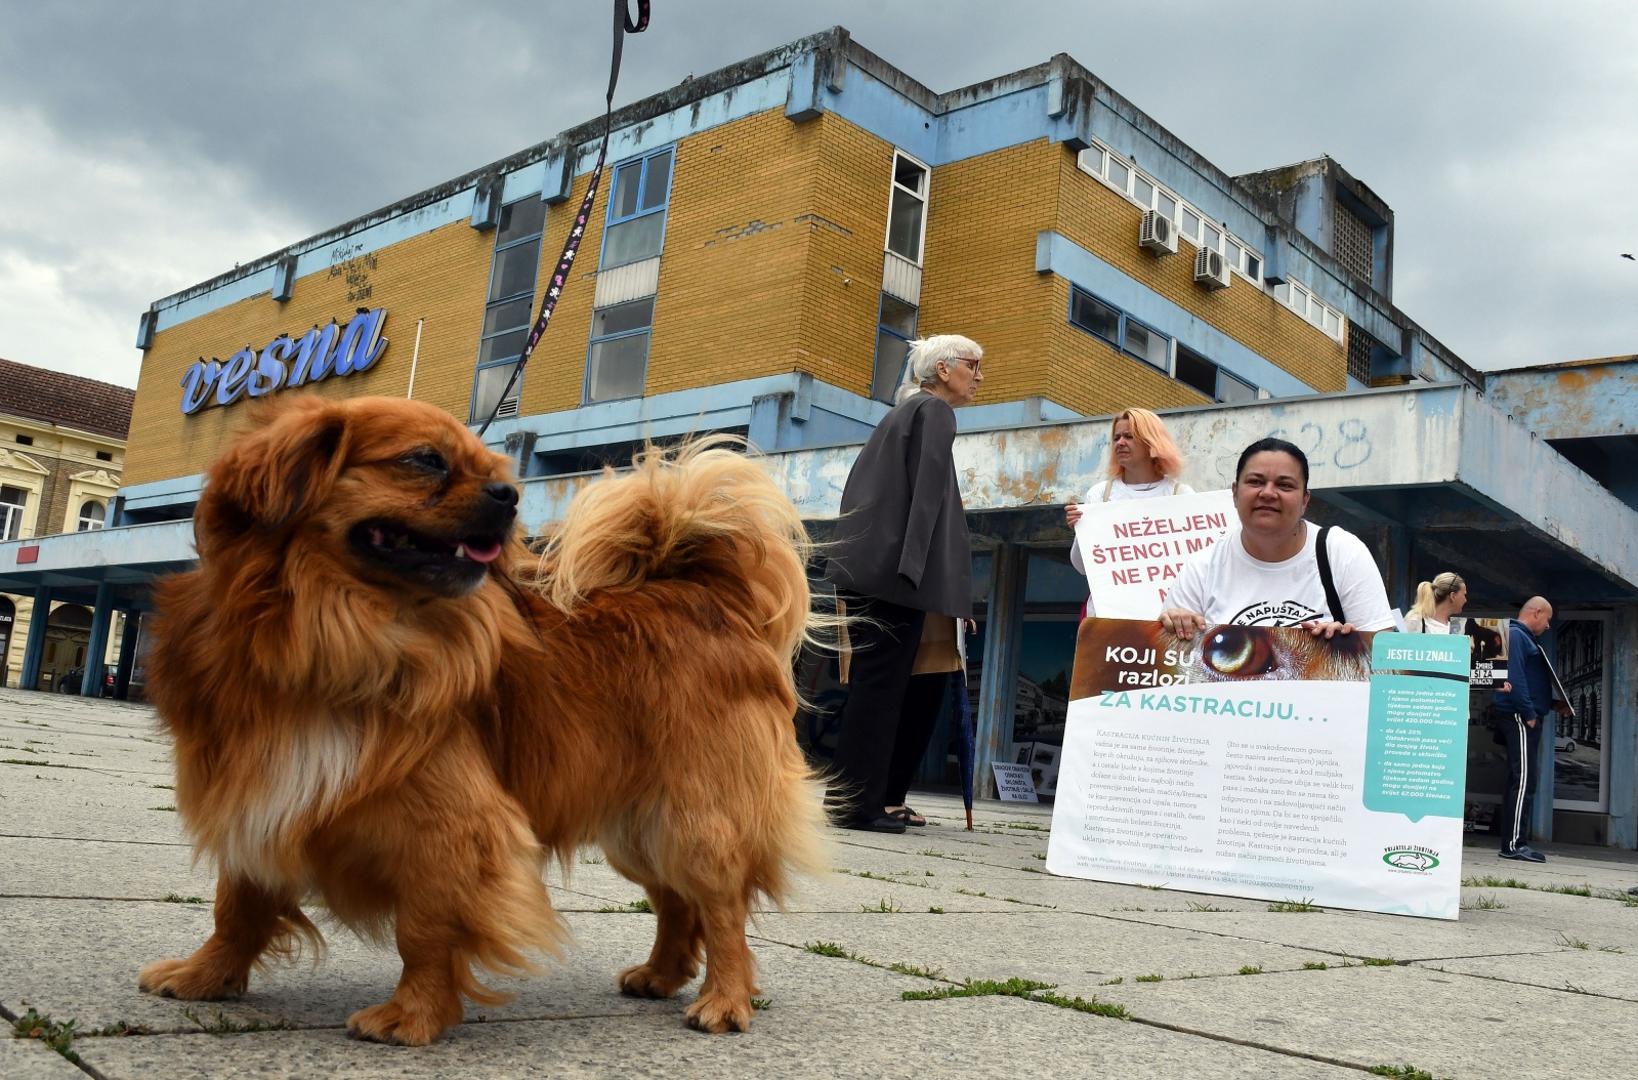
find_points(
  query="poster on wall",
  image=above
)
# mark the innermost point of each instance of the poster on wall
(1134, 549)
(1266, 763)
(1489, 638)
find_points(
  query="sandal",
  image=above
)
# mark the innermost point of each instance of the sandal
(908, 816)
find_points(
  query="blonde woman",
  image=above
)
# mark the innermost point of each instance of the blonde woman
(1437, 603)
(1144, 463)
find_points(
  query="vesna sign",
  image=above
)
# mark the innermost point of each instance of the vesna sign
(287, 362)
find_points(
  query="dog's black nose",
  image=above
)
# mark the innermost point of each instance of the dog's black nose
(505, 494)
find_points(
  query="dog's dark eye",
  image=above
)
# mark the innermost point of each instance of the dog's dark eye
(427, 459)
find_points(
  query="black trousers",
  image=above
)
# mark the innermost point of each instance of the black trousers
(917, 720)
(885, 639)
(1514, 812)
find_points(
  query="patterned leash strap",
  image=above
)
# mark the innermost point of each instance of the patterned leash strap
(623, 25)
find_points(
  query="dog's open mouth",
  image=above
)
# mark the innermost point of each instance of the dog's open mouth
(441, 562)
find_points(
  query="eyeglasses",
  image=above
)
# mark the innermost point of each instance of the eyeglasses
(973, 360)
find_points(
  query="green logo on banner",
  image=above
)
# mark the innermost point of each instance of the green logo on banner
(1418, 859)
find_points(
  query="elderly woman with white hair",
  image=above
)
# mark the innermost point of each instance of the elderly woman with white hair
(902, 562)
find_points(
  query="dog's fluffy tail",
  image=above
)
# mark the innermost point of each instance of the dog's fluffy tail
(704, 511)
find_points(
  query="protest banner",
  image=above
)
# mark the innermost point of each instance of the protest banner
(1267, 763)
(1133, 549)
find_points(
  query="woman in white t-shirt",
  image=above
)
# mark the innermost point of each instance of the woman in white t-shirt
(1266, 572)
(1144, 463)
(1437, 603)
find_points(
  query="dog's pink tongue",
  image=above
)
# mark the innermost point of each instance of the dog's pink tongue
(482, 553)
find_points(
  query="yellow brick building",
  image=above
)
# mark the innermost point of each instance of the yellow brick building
(771, 234)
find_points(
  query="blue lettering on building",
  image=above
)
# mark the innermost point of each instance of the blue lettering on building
(287, 362)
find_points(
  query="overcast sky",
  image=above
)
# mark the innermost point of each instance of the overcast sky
(147, 147)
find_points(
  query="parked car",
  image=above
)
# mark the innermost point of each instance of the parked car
(70, 680)
(1563, 744)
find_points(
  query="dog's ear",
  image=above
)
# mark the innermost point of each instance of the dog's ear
(270, 473)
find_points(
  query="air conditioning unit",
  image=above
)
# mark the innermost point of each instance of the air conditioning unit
(1157, 233)
(1210, 271)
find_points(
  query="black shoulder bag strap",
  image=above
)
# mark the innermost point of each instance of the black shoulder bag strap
(1322, 553)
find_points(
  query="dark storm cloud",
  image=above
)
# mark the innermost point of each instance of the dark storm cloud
(171, 140)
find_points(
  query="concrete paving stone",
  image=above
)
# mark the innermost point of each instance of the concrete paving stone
(945, 861)
(30, 1059)
(1366, 934)
(79, 960)
(1564, 866)
(1588, 970)
(832, 892)
(49, 866)
(1098, 897)
(1077, 953)
(1447, 1024)
(1597, 921)
(118, 756)
(77, 805)
(978, 1037)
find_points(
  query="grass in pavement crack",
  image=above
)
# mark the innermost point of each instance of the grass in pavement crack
(57, 1034)
(1028, 989)
(223, 1024)
(1401, 1072)
(830, 948)
(1013, 987)
(1294, 905)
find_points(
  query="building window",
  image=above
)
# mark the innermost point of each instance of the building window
(618, 359)
(1094, 316)
(638, 197)
(1232, 388)
(92, 515)
(907, 210)
(25, 440)
(13, 501)
(105, 455)
(1194, 370)
(1296, 297)
(1150, 346)
(1194, 226)
(507, 313)
(1119, 329)
(895, 329)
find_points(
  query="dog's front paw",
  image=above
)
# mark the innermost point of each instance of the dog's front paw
(191, 980)
(647, 981)
(718, 1013)
(392, 1023)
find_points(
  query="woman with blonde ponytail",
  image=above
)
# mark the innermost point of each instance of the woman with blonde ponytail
(1437, 601)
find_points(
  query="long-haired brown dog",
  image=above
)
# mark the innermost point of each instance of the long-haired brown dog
(382, 701)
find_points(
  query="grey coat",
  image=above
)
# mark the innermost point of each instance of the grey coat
(902, 536)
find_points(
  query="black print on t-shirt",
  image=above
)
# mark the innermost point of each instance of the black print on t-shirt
(1275, 613)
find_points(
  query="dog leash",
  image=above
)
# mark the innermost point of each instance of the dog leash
(571, 247)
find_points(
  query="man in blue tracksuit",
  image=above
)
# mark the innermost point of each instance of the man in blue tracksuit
(1514, 715)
